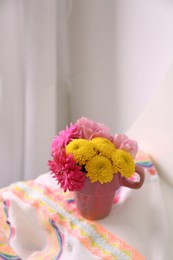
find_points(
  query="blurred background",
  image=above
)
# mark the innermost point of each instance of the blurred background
(63, 59)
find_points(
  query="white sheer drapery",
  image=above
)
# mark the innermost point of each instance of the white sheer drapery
(28, 87)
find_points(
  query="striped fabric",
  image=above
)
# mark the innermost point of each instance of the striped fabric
(57, 214)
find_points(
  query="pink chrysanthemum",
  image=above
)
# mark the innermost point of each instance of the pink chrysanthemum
(65, 136)
(122, 141)
(64, 169)
(90, 129)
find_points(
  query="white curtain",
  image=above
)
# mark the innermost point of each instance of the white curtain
(62, 59)
(28, 87)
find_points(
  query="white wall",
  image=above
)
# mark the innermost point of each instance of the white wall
(144, 51)
(119, 53)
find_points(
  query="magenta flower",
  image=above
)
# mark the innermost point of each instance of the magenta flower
(123, 142)
(65, 137)
(90, 129)
(64, 169)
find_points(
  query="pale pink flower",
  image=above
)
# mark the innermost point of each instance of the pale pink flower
(123, 142)
(90, 129)
(64, 169)
(65, 136)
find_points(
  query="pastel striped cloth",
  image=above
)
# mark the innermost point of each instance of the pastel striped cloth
(57, 215)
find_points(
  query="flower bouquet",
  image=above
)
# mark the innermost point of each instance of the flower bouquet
(89, 161)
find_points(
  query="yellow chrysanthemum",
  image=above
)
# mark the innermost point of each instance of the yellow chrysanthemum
(123, 162)
(103, 146)
(81, 149)
(99, 168)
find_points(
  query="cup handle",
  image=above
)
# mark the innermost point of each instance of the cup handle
(134, 185)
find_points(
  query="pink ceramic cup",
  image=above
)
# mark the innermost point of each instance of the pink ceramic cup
(94, 200)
